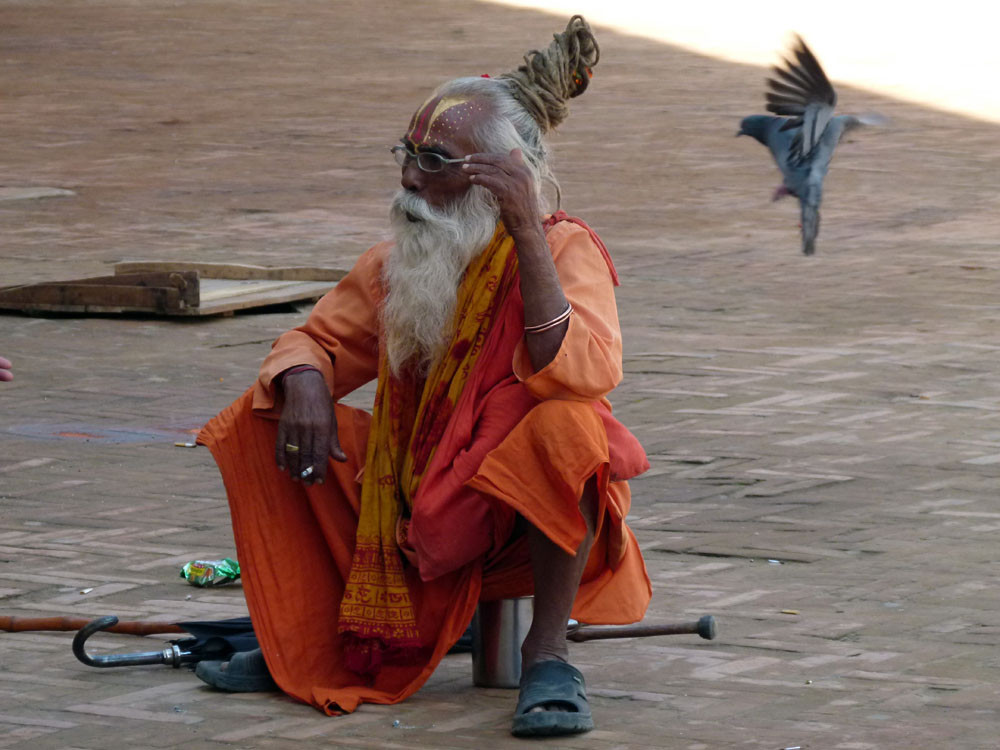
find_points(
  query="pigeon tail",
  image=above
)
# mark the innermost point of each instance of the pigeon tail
(810, 227)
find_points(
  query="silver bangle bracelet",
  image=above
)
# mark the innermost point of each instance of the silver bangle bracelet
(560, 318)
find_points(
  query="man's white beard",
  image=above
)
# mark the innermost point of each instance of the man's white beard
(424, 270)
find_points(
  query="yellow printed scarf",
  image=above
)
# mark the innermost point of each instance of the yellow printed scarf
(377, 616)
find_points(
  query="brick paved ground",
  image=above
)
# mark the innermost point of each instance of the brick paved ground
(824, 433)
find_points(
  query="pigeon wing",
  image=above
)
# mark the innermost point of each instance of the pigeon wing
(856, 121)
(804, 94)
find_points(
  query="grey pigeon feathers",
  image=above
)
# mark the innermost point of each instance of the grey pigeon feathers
(802, 133)
(805, 95)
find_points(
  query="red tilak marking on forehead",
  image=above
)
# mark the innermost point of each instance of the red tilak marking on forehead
(441, 114)
(420, 123)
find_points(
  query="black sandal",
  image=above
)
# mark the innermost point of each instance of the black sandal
(552, 683)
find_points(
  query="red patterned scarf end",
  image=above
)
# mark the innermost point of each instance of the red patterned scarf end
(365, 656)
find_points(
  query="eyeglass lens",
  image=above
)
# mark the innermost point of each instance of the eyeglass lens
(426, 160)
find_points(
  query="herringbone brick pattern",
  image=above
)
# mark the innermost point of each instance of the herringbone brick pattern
(824, 433)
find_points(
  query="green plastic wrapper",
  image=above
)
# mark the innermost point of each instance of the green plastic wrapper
(211, 572)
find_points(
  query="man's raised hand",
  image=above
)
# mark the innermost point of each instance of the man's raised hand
(5, 370)
(511, 182)
(307, 430)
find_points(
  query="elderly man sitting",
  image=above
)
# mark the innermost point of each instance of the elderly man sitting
(490, 466)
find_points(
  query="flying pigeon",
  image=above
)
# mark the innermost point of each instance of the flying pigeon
(803, 137)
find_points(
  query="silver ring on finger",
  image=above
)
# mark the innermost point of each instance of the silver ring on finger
(306, 472)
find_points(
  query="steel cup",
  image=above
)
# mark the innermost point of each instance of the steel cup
(498, 630)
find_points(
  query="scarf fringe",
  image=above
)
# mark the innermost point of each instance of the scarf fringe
(366, 656)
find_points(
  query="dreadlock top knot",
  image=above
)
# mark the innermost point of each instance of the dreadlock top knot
(548, 79)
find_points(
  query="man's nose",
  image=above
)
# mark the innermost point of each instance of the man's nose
(413, 177)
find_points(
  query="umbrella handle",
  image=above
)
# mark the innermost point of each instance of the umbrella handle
(704, 626)
(172, 655)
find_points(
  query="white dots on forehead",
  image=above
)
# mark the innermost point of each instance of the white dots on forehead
(441, 118)
(449, 121)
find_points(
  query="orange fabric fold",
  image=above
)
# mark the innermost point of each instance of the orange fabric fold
(296, 543)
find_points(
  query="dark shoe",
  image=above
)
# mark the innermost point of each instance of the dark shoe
(245, 672)
(552, 684)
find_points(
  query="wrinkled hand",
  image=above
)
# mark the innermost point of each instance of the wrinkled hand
(307, 421)
(5, 370)
(509, 179)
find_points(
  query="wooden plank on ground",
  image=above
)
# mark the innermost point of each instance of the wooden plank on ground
(215, 290)
(91, 298)
(297, 292)
(186, 282)
(174, 289)
(234, 270)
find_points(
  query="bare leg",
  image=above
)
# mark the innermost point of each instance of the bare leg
(557, 577)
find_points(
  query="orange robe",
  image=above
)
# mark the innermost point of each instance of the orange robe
(295, 543)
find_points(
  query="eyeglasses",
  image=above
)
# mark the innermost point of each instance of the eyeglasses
(428, 161)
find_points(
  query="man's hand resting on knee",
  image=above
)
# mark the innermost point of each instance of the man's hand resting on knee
(307, 430)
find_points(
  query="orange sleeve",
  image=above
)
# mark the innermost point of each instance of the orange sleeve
(340, 337)
(588, 364)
